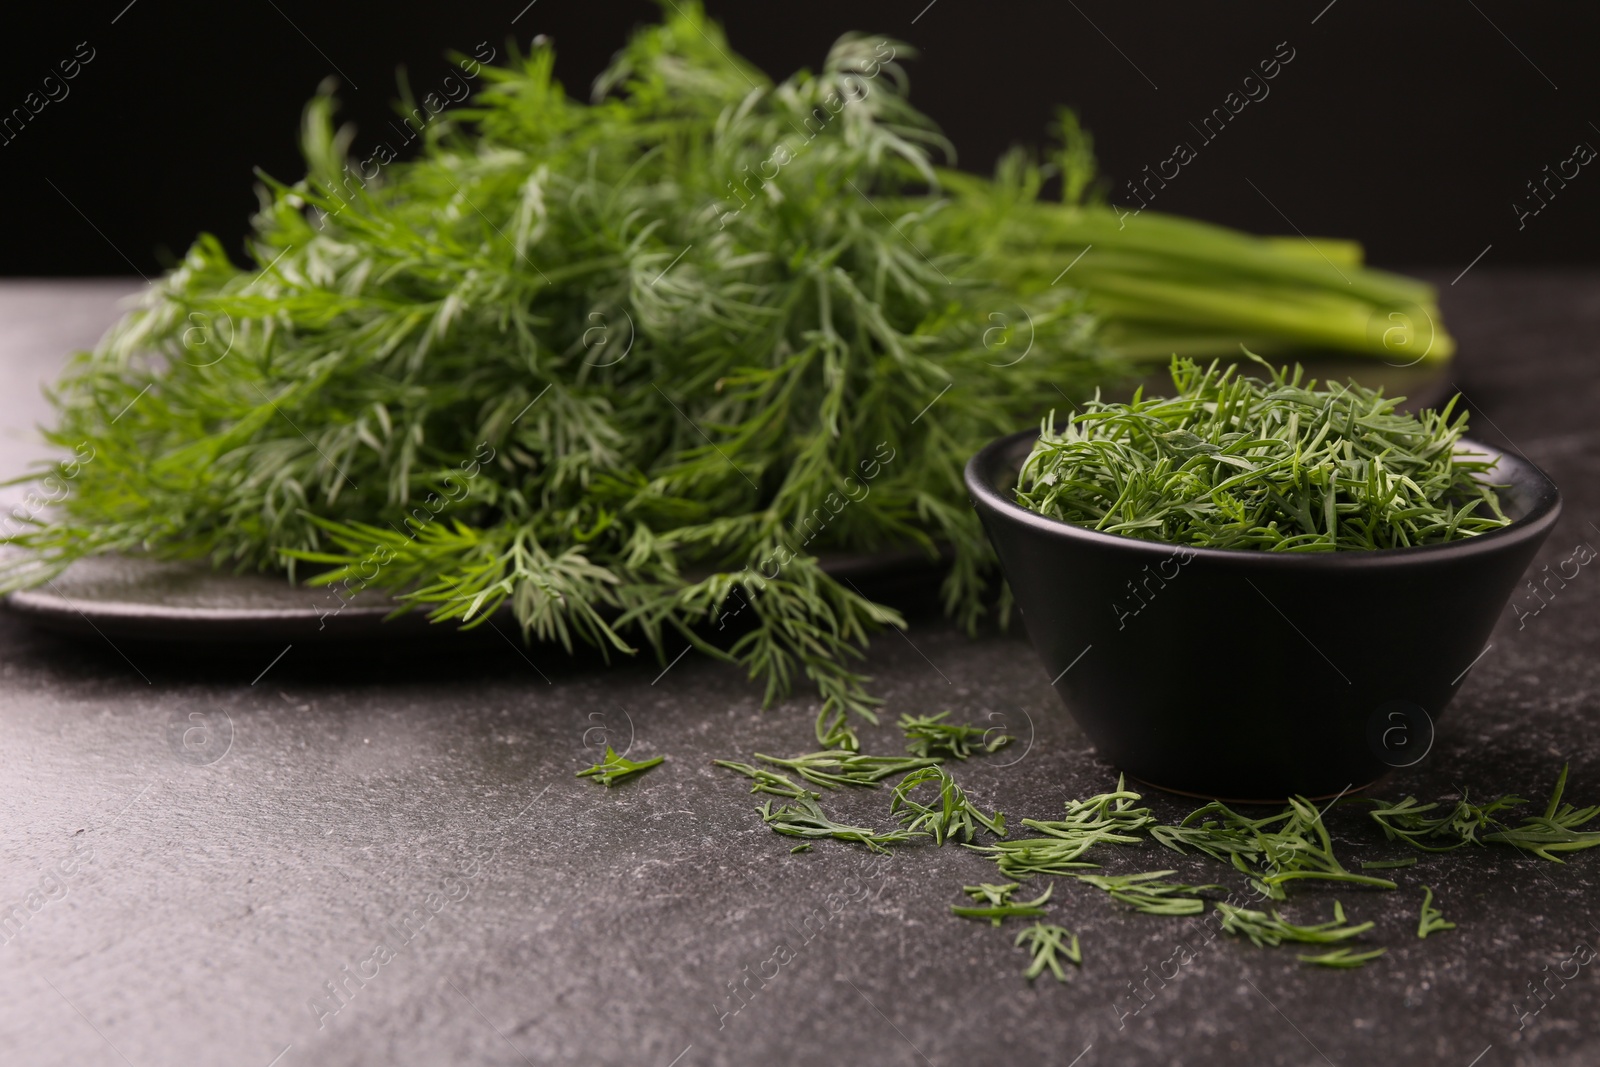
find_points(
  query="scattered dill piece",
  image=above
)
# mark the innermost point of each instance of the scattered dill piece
(1146, 892)
(1231, 461)
(1026, 857)
(1343, 958)
(951, 816)
(1049, 945)
(998, 912)
(1466, 823)
(833, 727)
(1388, 865)
(930, 735)
(1555, 830)
(804, 818)
(1408, 821)
(994, 894)
(1290, 846)
(1115, 808)
(615, 768)
(1227, 844)
(837, 767)
(1107, 818)
(1432, 919)
(1301, 849)
(802, 848)
(766, 781)
(1264, 929)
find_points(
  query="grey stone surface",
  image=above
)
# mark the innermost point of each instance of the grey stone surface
(235, 846)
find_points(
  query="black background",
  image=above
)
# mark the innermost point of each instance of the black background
(1413, 128)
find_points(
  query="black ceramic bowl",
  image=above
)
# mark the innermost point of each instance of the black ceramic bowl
(1243, 674)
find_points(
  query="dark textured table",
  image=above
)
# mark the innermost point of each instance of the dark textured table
(378, 854)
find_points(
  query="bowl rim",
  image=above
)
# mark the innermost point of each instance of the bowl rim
(983, 467)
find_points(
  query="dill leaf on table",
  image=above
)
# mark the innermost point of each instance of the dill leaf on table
(614, 768)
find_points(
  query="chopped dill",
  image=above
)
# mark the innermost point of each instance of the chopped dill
(1343, 958)
(1432, 920)
(615, 768)
(1147, 892)
(951, 816)
(1265, 929)
(766, 781)
(1231, 461)
(837, 767)
(1000, 911)
(805, 818)
(1049, 945)
(930, 735)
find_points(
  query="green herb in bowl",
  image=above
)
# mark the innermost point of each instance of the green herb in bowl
(1230, 461)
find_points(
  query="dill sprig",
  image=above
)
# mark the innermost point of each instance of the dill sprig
(1555, 830)
(1002, 910)
(615, 768)
(1460, 825)
(833, 768)
(1049, 945)
(1107, 818)
(1265, 929)
(994, 894)
(766, 781)
(951, 816)
(930, 735)
(805, 818)
(1291, 846)
(1465, 823)
(1147, 892)
(1231, 461)
(1343, 958)
(1432, 920)
(1301, 849)
(624, 366)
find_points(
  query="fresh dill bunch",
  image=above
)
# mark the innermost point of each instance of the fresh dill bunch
(1049, 945)
(930, 735)
(1270, 930)
(1230, 461)
(621, 365)
(805, 818)
(999, 911)
(951, 816)
(1431, 920)
(1343, 958)
(1147, 892)
(614, 768)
